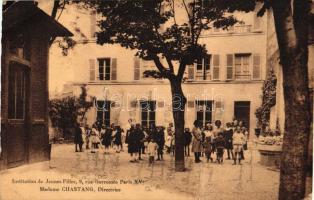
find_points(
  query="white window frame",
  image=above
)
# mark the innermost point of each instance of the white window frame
(249, 68)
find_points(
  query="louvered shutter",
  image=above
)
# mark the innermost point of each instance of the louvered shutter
(114, 69)
(92, 24)
(215, 67)
(256, 22)
(92, 69)
(229, 66)
(256, 67)
(191, 72)
(137, 69)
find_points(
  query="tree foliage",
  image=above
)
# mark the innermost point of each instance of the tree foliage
(268, 100)
(157, 31)
(65, 112)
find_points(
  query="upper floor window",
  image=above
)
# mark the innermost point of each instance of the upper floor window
(242, 64)
(205, 68)
(246, 66)
(106, 69)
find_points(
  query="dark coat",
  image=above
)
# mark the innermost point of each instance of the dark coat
(187, 138)
(220, 142)
(117, 138)
(134, 140)
(78, 139)
(106, 138)
(160, 139)
(228, 138)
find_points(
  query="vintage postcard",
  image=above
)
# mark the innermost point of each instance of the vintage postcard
(156, 100)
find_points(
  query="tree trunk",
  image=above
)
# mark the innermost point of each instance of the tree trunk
(292, 36)
(178, 107)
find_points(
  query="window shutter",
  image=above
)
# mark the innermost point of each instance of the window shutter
(137, 69)
(191, 72)
(190, 104)
(92, 69)
(229, 66)
(114, 69)
(216, 67)
(256, 67)
(92, 24)
(256, 22)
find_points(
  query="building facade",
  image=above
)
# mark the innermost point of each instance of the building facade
(224, 85)
(26, 32)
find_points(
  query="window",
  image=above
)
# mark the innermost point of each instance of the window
(103, 112)
(17, 89)
(242, 66)
(107, 69)
(204, 111)
(203, 68)
(148, 112)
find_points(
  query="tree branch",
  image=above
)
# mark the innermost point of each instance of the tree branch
(174, 14)
(55, 8)
(182, 67)
(186, 9)
(164, 72)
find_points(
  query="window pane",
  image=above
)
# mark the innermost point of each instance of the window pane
(100, 115)
(207, 62)
(20, 95)
(152, 116)
(199, 116)
(199, 65)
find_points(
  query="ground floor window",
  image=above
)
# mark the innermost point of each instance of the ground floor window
(148, 112)
(103, 112)
(204, 111)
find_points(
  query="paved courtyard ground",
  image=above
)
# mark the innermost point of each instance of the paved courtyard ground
(112, 176)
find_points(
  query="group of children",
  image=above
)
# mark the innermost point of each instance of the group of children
(211, 139)
(99, 137)
(206, 141)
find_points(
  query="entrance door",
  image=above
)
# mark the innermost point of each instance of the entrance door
(242, 112)
(204, 112)
(17, 114)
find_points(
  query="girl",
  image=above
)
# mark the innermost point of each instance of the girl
(196, 141)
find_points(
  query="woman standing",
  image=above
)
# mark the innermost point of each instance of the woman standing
(106, 141)
(78, 139)
(196, 141)
(133, 140)
(228, 133)
(118, 139)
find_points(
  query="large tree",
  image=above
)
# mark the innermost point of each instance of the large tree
(291, 19)
(164, 30)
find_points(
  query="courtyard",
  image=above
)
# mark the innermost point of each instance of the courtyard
(70, 175)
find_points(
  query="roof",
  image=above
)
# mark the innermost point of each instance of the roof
(21, 12)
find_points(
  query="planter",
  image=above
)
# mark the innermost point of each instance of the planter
(257, 132)
(270, 155)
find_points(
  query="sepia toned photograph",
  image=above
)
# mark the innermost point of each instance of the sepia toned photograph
(157, 99)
